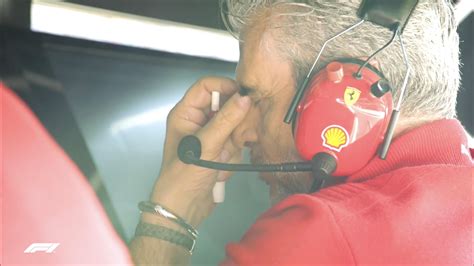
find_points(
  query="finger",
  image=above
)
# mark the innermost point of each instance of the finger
(225, 175)
(199, 96)
(193, 109)
(187, 119)
(184, 120)
(196, 117)
(229, 154)
(191, 113)
(179, 124)
(214, 135)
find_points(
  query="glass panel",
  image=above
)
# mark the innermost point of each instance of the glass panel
(121, 100)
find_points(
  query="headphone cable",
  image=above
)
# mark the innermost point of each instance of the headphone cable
(396, 30)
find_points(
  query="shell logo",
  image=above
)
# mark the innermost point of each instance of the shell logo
(335, 137)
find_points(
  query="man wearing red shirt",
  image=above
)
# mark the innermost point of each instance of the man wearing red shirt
(414, 207)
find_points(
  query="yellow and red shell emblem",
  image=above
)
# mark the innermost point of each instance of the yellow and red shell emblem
(335, 137)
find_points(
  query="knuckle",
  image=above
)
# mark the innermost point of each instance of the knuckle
(199, 83)
(202, 82)
(172, 114)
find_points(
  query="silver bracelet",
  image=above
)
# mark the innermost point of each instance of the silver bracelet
(150, 207)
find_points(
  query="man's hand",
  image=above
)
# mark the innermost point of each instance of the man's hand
(187, 189)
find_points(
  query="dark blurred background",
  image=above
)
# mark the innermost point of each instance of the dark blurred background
(206, 13)
(196, 12)
(106, 105)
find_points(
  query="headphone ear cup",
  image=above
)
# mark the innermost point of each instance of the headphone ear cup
(343, 116)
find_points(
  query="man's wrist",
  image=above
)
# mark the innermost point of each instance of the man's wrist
(168, 249)
(152, 251)
(185, 208)
(159, 220)
(161, 211)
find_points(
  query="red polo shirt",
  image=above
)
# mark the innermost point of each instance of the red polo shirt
(413, 208)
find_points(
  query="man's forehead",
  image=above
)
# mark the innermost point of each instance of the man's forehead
(250, 78)
(248, 68)
(262, 84)
(255, 65)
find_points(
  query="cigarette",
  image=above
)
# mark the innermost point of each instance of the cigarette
(218, 191)
(215, 101)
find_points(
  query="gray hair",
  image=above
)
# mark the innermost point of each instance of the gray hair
(299, 29)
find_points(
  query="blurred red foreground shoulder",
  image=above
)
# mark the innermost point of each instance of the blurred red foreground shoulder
(50, 213)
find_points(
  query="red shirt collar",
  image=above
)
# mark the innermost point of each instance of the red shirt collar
(440, 142)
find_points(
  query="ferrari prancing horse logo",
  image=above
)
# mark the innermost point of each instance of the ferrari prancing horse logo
(351, 95)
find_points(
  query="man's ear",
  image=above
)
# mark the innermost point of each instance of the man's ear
(372, 62)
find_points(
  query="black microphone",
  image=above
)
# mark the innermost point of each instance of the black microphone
(322, 165)
(189, 152)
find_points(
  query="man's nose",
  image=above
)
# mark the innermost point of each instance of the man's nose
(245, 134)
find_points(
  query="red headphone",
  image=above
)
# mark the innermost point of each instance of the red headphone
(343, 113)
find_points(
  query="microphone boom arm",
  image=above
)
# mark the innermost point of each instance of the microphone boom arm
(189, 152)
(285, 167)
